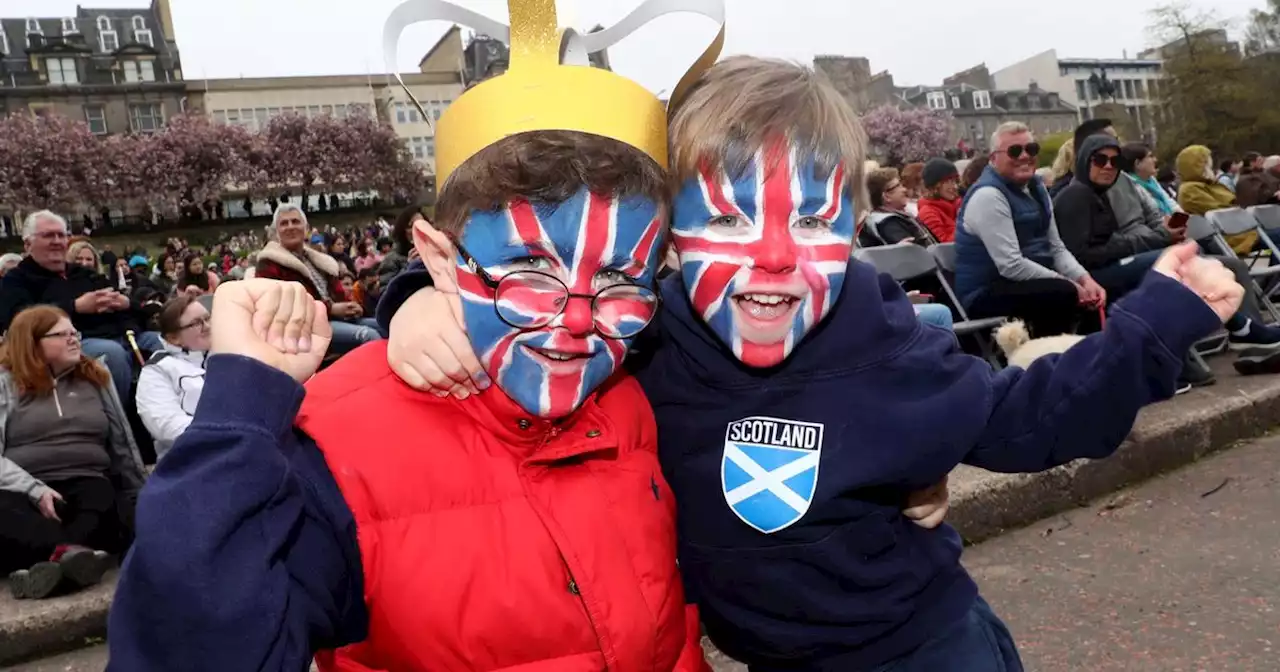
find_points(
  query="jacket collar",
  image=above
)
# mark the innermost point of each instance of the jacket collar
(195, 357)
(586, 431)
(276, 253)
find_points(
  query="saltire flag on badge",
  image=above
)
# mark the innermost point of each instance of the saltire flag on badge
(769, 470)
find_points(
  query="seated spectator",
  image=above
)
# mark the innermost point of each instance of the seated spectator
(1115, 230)
(195, 280)
(1139, 166)
(1009, 258)
(889, 223)
(934, 313)
(81, 253)
(103, 315)
(289, 258)
(8, 262)
(165, 275)
(913, 180)
(972, 172)
(1201, 193)
(941, 202)
(1255, 185)
(1227, 172)
(1168, 180)
(119, 276)
(366, 256)
(1064, 165)
(1084, 130)
(69, 469)
(367, 290)
(170, 385)
(403, 250)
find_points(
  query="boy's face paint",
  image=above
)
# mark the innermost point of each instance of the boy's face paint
(764, 255)
(589, 242)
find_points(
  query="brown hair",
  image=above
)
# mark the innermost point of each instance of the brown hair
(913, 178)
(878, 181)
(973, 171)
(22, 356)
(742, 102)
(546, 167)
(170, 318)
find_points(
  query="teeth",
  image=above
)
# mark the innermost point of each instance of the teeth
(558, 356)
(766, 299)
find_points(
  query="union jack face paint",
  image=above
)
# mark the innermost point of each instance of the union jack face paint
(763, 254)
(588, 242)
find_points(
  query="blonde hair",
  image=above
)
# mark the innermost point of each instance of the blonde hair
(742, 102)
(1065, 162)
(74, 251)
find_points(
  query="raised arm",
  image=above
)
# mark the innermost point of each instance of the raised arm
(1083, 402)
(246, 555)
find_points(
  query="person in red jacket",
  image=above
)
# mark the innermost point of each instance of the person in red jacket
(379, 528)
(941, 202)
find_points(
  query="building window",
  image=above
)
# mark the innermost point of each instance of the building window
(981, 100)
(401, 115)
(139, 71)
(4, 43)
(33, 28)
(937, 100)
(220, 116)
(146, 118)
(143, 37)
(1139, 90)
(233, 117)
(139, 23)
(1082, 90)
(955, 102)
(261, 115)
(96, 116)
(61, 70)
(313, 111)
(69, 26)
(104, 23)
(431, 148)
(418, 147)
(273, 112)
(109, 40)
(340, 111)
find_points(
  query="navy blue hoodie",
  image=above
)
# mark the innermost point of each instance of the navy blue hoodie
(869, 408)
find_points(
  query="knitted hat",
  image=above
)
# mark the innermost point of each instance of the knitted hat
(937, 170)
(138, 261)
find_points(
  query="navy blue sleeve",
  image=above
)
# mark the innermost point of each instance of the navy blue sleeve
(246, 555)
(410, 280)
(1083, 402)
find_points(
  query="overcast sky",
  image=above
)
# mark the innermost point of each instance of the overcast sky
(919, 41)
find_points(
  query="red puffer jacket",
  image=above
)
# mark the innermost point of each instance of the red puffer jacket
(492, 540)
(940, 217)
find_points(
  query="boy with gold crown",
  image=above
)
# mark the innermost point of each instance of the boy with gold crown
(379, 528)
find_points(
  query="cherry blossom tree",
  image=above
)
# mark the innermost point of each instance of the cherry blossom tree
(906, 135)
(45, 162)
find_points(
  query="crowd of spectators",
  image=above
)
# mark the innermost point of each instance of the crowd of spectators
(103, 365)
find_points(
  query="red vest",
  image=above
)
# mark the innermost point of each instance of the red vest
(492, 540)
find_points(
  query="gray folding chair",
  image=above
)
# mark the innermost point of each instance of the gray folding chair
(908, 262)
(1235, 221)
(1268, 217)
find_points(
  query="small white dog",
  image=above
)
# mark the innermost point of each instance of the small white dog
(1020, 349)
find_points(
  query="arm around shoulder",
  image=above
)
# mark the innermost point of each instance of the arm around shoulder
(1082, 403)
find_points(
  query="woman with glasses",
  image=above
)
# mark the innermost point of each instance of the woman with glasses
(170, 384)
(69, 468)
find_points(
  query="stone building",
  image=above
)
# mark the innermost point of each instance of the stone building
(117, 69)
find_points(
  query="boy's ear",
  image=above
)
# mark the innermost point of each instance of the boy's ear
(438, 254)
(672, 260)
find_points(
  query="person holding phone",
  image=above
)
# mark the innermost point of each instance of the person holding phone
(1117, 231)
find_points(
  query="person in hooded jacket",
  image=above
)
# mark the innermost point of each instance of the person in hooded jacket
(794, 415)
(1200, 192)
(1116, 257)
(941, 202)
(1067, 154)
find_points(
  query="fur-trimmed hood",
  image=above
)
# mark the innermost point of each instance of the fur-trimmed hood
(275, 252)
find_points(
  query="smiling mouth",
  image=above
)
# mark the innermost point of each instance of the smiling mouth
(558, 357)
(766, 307)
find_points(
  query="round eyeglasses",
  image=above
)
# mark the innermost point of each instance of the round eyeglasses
(533, 299)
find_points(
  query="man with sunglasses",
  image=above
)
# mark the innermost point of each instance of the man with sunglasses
(1091, 229)
(1010, 260)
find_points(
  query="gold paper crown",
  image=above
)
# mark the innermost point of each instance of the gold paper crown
(549, 84)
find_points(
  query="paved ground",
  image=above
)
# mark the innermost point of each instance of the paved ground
(1181, 574)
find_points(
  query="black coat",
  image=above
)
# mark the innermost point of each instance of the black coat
(30, 283)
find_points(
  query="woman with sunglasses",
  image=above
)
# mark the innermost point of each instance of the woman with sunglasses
(69, 468)
(170, 384)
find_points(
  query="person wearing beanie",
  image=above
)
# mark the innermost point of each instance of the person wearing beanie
(941, 201)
